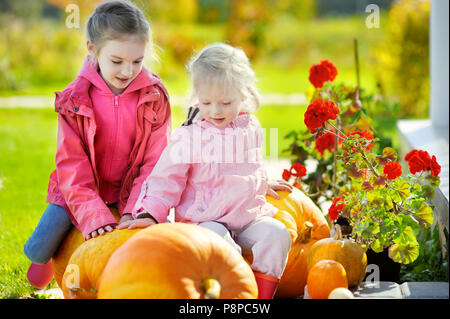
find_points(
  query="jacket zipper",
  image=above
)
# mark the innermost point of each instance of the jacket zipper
(115, 129)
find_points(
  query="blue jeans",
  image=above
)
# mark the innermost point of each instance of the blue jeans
(48, 235)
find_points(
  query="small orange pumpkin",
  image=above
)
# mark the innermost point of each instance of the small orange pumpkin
(325, 276)
(85, 266)
(306, 224)
(177, 261)
(345, 251)
(72, 241)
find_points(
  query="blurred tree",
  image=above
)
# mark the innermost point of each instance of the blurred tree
(178, 11)
(27, 9)
(403, 68)
(37, 52)
(212, 11)
(86, 6)
(247, 24)
(301, 9)
(348, 7)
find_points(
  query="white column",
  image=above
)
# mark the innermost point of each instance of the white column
(439, 55)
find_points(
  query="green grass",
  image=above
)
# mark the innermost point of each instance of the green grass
(27, 147)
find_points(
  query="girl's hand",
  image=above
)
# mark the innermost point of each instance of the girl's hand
(100, 231)
(278, 185)
(124, 218)
(137, 223)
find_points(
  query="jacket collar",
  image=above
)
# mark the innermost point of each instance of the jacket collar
(77, 98)
(89, 75)
(241, 120)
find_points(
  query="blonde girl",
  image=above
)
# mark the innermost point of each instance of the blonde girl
(212, 171)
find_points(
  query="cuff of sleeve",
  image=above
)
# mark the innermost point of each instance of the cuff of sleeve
(103, 220)
(157, 208)
(144, 214)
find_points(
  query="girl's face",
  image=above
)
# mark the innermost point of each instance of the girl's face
(120, 61)
(219, 106)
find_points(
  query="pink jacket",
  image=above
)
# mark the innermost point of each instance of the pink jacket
(86, 178)
(210, 174)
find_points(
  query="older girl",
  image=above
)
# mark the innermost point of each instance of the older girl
(114, 120)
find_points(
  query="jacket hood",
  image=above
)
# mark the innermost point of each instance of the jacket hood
(89, 72)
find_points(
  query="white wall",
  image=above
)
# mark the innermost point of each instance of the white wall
(439, 66)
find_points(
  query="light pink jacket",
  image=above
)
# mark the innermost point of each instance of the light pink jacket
(210, 174)
(93, 164)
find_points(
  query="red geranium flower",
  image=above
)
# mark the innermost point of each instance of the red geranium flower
(298, 170)
(435, 167)
(335, 208)
(286, 175)
(320, 73)
(392, 170)
(419, 160)
(325, 142)
(318, 112)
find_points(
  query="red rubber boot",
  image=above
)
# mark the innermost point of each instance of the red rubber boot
(40, 276)
(267, 285)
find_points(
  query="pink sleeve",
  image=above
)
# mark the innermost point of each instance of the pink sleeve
(155, 146)
(76, 179)
(163, 188)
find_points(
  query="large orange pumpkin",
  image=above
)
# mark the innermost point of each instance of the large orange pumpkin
(325, 276)
(176, 260)
(85, 266)
(345, 251)
(306, 224)
(72, 241)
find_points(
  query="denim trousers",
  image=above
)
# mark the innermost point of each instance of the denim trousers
(48, 234)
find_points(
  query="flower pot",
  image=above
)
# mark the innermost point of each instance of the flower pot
(389, 270)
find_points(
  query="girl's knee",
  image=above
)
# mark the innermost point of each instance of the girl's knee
(36, 255)
(278, 235)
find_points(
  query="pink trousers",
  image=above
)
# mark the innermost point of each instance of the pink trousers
(267, 238)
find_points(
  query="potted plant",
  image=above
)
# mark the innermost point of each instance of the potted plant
(360, 172)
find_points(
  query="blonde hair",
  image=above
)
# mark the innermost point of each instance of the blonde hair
(115, 20)
(226, 66)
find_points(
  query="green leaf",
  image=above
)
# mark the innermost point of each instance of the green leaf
(401, 190)
(427, 191)
(376, 246)
(425, 213)
(405, 236)
(405, 253)
(435, 181)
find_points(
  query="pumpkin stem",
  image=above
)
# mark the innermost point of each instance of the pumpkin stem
(211, 288)
(305, 234)
(337, 232)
